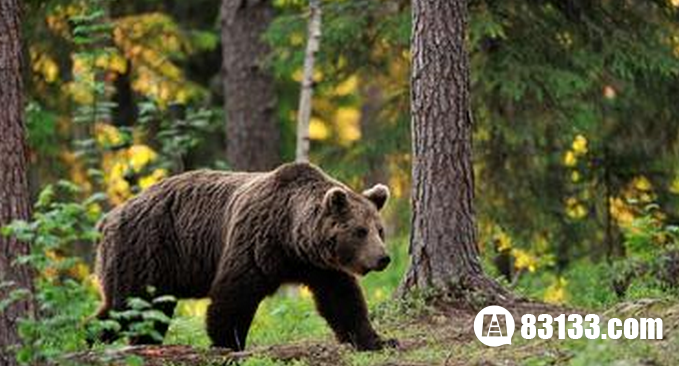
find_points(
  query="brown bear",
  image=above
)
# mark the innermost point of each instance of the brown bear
(237, 237)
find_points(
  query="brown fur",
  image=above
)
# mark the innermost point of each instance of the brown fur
(236, 237)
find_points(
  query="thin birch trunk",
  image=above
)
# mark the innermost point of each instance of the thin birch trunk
(304, 112)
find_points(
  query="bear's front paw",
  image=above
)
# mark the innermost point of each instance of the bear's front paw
(390, 343)
(377, 344)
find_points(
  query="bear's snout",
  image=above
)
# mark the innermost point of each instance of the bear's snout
(382, 263)
(379, 263)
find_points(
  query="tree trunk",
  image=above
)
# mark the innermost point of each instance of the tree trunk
(372, 102)
(252, 132)
(125, 111)
(304, 112)
(14, 201)
(443, 243)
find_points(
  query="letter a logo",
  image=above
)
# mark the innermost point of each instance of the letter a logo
(492, 335)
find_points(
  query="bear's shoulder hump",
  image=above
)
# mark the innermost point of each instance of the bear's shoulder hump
(297, 172)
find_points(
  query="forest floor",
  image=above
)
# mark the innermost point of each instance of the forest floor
(439, 336)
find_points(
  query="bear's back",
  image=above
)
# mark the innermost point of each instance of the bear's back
(174, 227)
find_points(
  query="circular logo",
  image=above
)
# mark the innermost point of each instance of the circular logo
(492, 333)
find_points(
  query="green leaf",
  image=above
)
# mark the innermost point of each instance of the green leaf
(138, 303)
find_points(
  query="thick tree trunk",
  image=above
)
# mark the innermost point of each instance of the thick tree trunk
(372, 102)
(443, 240)
(125, 111)
(252, 133)
(14, 201)
(304, 112)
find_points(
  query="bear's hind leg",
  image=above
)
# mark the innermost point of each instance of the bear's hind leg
(232, 309)
(104, 336)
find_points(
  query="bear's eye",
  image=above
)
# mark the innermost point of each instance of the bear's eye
(380, 232)
(361, 232)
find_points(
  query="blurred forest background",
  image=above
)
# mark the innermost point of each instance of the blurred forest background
(576, 132)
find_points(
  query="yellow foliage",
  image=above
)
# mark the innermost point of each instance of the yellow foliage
(112, 61)
(298, 75)
(117, 164)
(153, 178)
(58, 18)
(147, 40)
(297, 39)
(575, 176)
(118, 189)
(79, 271)
(674, 187)
(557, 292)
(399, 177)
(107, 135)
(579, 145)
(569, 159)
(504, 241)
(80, 88)
(578, 148)
(305, 292)
(347, 120)
(317, 129)
(92, 283)
(621, 212)
(642, 183)
(52, 255)
(348, 86)
(524, 260)
(575, 209)
(44, 65)
(140, 155)
(50, 272)
(182, 96)
(94, 210)
(396, 187)
(80, 94)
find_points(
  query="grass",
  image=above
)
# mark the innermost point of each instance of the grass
(436, 337)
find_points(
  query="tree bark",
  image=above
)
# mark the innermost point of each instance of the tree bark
(443, 243)
(14, 200)
(125, 111)
(304, 112)
(252, 132)
(371, 107)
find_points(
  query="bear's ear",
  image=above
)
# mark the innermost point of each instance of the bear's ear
(379, 194)
(335, 200)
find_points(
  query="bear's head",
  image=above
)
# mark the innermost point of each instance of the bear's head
(353, 228)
